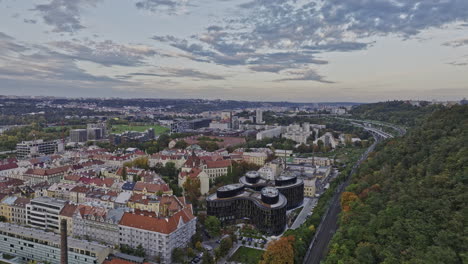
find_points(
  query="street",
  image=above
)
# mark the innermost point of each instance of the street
(329, 223)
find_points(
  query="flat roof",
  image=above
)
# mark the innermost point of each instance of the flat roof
(51, 237)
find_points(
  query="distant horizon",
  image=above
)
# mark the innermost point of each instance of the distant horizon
(228, 99)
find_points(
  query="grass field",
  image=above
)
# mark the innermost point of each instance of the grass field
(122, 128)
(247, 255)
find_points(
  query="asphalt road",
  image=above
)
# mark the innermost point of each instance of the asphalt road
(329, 224)
(308, 206)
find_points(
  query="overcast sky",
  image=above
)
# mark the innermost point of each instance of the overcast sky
(333, 50)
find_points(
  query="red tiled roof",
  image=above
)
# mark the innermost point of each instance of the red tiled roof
(73, 178)
(218, 164)
(46, 172)
(151, 187)
(154, 224)
(193, 173)
(80, 189)
(8, 166)
(68, 210)
(120, 261)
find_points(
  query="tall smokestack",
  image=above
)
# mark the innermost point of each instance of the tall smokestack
(63, 242)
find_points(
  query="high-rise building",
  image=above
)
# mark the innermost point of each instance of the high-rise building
(96, 131)
(78, 135)
(259, 116)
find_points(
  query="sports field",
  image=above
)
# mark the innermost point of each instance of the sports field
(139, 128)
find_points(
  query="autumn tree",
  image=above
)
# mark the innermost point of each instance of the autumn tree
(192, 189)
(346, 199)
(279, 252)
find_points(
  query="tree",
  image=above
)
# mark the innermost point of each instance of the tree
(198, 245)
(192, 189)
(280, 251)
(207, 258)
(213, 226)
(141, 162)
(225, 246)
(178, 255)
(140, 251)
(346, 199)
(124, 173)
(181, 144)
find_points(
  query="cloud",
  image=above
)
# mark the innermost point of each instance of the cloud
(30, 21)
(166, 6)
(37, 63)
(279, 35)
(268, 68)
(456, 43)
(64, 15)
(181, 73)
(307, 75)
(107, 53)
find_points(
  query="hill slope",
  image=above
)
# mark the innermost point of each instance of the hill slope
(407, 204)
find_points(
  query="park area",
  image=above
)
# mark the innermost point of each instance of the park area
(247, 255)
(158, 130)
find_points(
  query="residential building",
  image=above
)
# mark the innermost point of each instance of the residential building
(97, 224)
(270, 133)
(309, 187)
(270, 171)
(39, 175)
(43, 213)
(298, 133)
(259, 116)
(78, 135)
(158, 235)
(258, 158)
(6, 206)
(36, 245)
(195, 173)
(216, 168)
(18, 211)
(67, 214)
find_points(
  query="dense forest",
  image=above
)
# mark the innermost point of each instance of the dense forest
(395, 112)
(407, 203)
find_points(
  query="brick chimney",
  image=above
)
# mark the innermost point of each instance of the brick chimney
(63, 242)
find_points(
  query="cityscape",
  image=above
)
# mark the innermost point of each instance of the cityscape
(233, 132)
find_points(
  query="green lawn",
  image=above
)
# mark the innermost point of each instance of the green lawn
(247, 255)
(122, 128)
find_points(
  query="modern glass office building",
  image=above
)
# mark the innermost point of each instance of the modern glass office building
(265, 209)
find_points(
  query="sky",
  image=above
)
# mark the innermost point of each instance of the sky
(262, 50)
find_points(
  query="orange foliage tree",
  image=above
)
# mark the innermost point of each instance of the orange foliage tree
(346, 199)
(279, 252)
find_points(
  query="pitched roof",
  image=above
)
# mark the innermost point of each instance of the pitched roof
(151, 187)
(154, 224)
(218, 164)
(8, 166)
(193, 173)
(68, 210)
(46, 172)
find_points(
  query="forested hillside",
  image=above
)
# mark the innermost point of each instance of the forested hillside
(408, 202)
(395, 112)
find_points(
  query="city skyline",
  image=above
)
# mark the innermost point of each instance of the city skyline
(298, 51)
